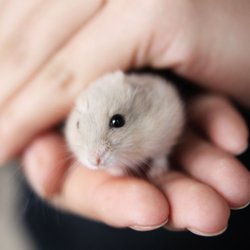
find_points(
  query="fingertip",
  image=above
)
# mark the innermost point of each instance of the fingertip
(208, 219)
(230, 132)
(153, 211)
(199, 208)
(235, 186)
(43, 164)
(141, 207)
(215, 168)
(220, 121)
(29, 163)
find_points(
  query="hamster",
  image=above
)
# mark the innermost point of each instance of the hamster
(123, 122)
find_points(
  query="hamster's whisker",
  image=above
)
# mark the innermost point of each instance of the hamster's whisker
(64, 160)
(127, 169)
(65, 148)
(124, 162)
(128, 162)
(138, 168)
(135, 169)
(61, 164)
(131, 150)
(69, 158)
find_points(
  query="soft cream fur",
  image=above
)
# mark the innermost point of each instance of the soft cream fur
(154, 119)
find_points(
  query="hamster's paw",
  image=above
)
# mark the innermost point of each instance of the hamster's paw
(115, 171)
(158, 168)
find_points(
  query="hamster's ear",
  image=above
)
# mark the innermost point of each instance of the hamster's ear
(117, 76)
(81, 103)
(118, 73)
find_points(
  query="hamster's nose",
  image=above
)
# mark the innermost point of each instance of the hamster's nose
(97, 160)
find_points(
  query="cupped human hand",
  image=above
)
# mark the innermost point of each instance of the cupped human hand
(196, 196)
(50, 51)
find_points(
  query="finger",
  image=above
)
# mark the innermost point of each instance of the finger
(194, 206)
(35, 35)
(13, 15)
(45, 177)
(215, 168)
(3, 4)
(117, 201)
(90, 54)
(219, 120)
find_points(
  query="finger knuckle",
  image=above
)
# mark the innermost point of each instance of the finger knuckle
(60, 77)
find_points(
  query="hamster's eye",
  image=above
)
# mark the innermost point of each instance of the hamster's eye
(117, 121)
(77, 124)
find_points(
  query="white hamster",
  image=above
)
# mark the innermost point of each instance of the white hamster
(122, 122)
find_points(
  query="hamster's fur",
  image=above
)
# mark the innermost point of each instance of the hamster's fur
(153, 115)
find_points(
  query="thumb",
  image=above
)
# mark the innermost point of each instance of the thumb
(102, 45)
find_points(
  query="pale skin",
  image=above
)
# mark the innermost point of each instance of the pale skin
(50, 50)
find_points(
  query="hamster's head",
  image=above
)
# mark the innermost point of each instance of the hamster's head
(105, 129)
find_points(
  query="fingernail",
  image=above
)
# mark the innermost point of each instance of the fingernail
(148, 228)
(207, 234)
(242, 207)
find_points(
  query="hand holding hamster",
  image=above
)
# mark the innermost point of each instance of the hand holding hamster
(123, 122)
(164, 42)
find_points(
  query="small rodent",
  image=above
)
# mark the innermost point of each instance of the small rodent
(122, 122)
